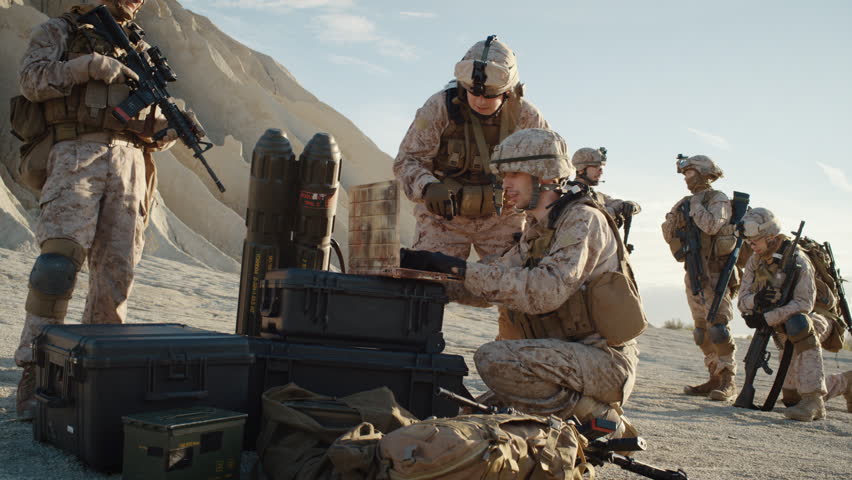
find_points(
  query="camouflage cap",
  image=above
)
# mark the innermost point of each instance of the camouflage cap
(760, 222)
(541, 153)
(589, 157)
(700, 163)
(497, 71)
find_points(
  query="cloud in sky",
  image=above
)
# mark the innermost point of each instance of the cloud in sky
(836, 177)
(419, 14)
(710, 139)
(343, 28)
(369, 67)
(281, 4)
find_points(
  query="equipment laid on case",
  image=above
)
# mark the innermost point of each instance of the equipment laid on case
(318, 307)
(183, 444)
(89, 376)
(335, 371)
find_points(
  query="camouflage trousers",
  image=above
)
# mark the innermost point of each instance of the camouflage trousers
(717, 356)
(487, 235)
(94, 195)
(549, 376)
(807, 373)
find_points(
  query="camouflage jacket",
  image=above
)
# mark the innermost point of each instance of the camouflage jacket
(413, 166)
(612, 205)
(804, 293)
(710, 210)
(584, 247)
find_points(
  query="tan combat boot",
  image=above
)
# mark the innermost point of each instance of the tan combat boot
(26, 404)
(706, 387)
(848, 393)
(728, 388)
(812, 407)
(790, 397)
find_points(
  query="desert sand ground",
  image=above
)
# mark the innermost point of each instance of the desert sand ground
(709, 440)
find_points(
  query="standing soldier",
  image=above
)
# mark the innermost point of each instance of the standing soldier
(443, 160)
(567, 284)
(590, 166)
(100, 179)
(805, 388)
(699, 234)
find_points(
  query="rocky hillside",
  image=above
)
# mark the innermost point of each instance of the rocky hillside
(237, 93)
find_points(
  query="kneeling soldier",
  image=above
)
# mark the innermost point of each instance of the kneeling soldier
(805, 386)
(567, 285)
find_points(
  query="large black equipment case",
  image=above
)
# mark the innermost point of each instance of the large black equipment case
(329, 308)
(336, 371)
(89, 376)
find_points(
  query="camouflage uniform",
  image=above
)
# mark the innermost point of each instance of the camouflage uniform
(710, 210)
(806, 374)
(96, 196)
(548, 375)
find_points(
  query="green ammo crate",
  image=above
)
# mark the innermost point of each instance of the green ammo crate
(197, 443)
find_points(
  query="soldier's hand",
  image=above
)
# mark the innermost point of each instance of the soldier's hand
(755, 320)
(767, 298)
(431, 262)
(95, 66)
(439, 200)
(170, 136)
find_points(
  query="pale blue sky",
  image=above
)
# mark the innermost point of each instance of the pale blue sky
(764, 88)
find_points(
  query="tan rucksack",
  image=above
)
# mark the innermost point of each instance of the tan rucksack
(307, 436)
(483, 447)
(827, 295)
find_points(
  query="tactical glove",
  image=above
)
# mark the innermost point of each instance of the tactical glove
(439, 200)
(755, 320)
(767, 298)
(95, 66)
(431, 262)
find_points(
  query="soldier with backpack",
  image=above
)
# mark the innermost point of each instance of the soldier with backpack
(805, 320)
(442, 162)
(567, 285)
(699, 233)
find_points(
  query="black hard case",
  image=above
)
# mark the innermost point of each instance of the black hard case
(329, 308)
(89, 376)
(336, 371)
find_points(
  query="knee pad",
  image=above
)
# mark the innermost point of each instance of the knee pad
(53, 277)
(720, 333)
(698, 336)
(801, 333)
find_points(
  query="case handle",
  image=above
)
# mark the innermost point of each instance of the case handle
(152, 395)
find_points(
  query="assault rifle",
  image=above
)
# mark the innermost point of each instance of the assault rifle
(627, 212)
(740, 207)
(757, 356)
(841, 293)
(690, 251)
(154, 73)
(599, 451)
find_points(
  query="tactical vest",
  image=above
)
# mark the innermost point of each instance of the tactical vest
(714, 248)
(465, 150)
(88, 108)
(580, 315)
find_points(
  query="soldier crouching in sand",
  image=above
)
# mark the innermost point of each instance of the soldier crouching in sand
(572, 360)
(805, 387)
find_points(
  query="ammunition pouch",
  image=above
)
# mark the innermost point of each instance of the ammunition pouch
(676, 246)
(472, 201)
(835, 341)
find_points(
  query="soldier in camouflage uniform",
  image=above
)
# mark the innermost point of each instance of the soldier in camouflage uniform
(100, 179)
(563, 365)
(442, 162)
(710, 210)
(805, 388)
(590, 163)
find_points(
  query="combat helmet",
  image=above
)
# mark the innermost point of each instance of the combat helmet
(539, 152)
(588, 157)
(760, 222)
(488, 68)
(701, 164)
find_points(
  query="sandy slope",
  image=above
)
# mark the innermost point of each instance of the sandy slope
(707, 439)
